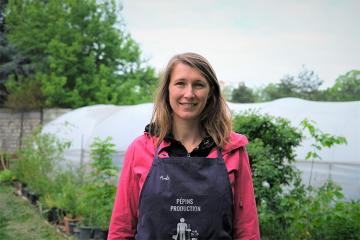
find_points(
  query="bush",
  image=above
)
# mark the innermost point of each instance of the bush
(312, 214)
(324, 214)
(287, 209)
(98, 193)
(271, 153)
(38, 161)
(6, 176)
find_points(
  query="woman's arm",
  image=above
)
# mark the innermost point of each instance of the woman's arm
(246, 224)
(124, 215)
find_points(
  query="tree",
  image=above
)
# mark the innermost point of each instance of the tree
(346, 87)
(80, 57)
(305, 85)
(243, 94)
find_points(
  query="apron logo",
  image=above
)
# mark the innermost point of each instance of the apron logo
(167, 178)
(184, 232)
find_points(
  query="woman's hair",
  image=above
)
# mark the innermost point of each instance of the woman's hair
(215, 119)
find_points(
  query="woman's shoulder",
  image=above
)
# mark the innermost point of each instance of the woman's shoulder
(142, 142)
(236, 140)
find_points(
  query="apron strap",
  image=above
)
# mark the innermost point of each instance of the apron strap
(156, 157)
(219, 156)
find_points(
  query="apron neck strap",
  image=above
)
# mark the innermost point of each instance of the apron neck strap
(218, 149)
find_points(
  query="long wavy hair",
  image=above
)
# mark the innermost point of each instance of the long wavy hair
(215, 119)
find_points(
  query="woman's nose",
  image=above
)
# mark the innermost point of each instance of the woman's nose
(189, 92)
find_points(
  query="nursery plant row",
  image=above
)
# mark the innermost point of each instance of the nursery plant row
(76, 198)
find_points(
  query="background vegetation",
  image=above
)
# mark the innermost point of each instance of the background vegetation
(306, 86)
(76, 53)
(69, 54)
(287, 208)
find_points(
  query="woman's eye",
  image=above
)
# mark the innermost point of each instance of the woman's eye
(180, 84)
(199, 85)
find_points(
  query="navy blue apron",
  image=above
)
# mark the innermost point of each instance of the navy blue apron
(186, 198)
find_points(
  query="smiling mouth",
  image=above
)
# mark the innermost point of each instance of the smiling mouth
(188, 104)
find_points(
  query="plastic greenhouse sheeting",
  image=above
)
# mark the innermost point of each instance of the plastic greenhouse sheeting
(124, 123)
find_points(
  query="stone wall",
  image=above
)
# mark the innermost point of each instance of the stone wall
(16, 125)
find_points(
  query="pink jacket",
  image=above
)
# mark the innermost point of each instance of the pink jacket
(137, 163)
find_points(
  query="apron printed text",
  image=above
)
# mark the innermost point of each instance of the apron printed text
(185, 205)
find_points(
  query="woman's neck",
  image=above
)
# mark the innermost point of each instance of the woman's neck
(188, 133)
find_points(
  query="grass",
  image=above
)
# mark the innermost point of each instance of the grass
(19, 220)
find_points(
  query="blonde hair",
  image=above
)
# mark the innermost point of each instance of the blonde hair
(215, 119)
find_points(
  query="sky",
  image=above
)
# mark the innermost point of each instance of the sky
(255, 42)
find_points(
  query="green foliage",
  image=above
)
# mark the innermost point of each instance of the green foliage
(38, 161)
(81, 57)
(287, 209)
(346, 87)
(311, 214)
(271, 152)
(6, 176)
(305, 85)
(243, 94)
(67, 192)
(99, 192)
(324, 215)
(23, 96)
(321, 140)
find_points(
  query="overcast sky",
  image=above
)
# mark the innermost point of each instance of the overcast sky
(256, 42)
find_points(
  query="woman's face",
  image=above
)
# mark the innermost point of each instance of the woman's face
(188, 92)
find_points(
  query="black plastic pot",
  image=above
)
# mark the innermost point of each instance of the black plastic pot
(72, 226)
(25, 191)
(86, 233)
(33, 197)
(100, 234)
(53, 216)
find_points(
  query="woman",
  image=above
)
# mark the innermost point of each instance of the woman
(188, 176)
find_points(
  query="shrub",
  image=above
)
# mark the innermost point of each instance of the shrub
(271, 153)
(99, 192)
(324, 214)
(38, 161)
(6, 176)
(287, 209)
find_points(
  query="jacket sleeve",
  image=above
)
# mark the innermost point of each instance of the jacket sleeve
(246, 223)
(124, 215)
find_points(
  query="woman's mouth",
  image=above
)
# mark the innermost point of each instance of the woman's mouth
(188, 104)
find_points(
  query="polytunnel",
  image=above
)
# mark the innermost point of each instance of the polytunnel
(124, 123)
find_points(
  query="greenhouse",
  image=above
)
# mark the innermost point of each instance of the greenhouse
(124, 123)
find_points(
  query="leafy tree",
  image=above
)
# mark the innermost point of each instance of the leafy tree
(243, 94)
(12, 63)
(346, 87)
(80, 57)
(305, 85)
(308, 84)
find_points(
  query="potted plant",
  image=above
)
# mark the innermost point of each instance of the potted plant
(68, 200)
(98, 193)
(38, 162)
(53, 211)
